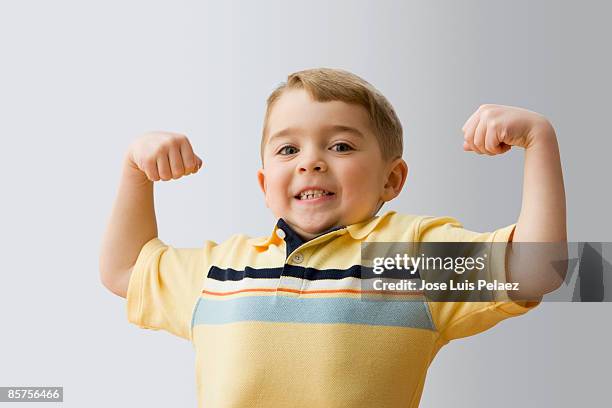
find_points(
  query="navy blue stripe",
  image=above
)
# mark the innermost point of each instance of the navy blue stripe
(355, 271)
(230, 274)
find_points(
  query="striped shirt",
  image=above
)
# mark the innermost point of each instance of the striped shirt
(278, 321)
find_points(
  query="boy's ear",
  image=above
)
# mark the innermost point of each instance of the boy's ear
(396, 177)
(261, 180)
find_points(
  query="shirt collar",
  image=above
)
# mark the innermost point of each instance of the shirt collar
(357, 231)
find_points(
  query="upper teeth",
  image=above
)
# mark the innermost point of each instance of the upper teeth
(308, 194)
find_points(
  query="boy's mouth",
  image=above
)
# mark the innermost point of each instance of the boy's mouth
(312, 194)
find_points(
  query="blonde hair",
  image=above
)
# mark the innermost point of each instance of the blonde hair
(327, 84)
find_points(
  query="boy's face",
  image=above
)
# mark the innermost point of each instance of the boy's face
(323, 147)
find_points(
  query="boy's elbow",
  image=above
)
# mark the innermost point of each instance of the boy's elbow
(117, 283)
(108, 283)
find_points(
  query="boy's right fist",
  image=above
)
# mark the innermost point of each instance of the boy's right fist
(163, 156)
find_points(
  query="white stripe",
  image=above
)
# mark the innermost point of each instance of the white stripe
(288, 282)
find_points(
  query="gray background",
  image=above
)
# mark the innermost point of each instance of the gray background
(80, 80)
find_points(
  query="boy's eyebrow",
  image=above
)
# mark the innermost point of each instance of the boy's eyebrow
(331, 129)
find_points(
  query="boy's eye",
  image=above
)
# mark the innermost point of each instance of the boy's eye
(286, 150)
(342, 147)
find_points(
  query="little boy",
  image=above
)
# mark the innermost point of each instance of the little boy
(279, 321)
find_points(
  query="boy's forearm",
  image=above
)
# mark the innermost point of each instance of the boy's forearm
(132, 224)
(542, 217)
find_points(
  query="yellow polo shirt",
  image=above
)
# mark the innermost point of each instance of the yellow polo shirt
(278, 322)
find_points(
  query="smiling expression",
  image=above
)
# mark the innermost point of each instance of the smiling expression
(323, 166)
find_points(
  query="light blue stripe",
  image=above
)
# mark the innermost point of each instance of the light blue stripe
(313, 310)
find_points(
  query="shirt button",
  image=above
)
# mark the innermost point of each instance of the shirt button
(280, 233)
(298, 257)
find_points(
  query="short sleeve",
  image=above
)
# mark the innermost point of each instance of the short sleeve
(461, 319)
(165, 284)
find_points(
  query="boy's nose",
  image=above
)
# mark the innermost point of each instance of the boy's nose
(312, 165)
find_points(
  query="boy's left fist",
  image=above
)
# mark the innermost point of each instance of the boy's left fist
(494, 129)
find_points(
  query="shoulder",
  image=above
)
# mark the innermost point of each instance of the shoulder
(420, 219)
(238, 242)
(242, 249)
(394, 226)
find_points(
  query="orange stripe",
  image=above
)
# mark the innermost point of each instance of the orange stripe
(236, 291)
(355, 291)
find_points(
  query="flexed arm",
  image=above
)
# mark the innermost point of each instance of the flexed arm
(154, 156)
(494, 129)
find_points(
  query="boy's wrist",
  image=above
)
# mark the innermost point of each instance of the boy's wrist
(132, 173)
(542, 133)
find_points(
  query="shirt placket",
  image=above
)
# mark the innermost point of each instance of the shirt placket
(291, 280)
